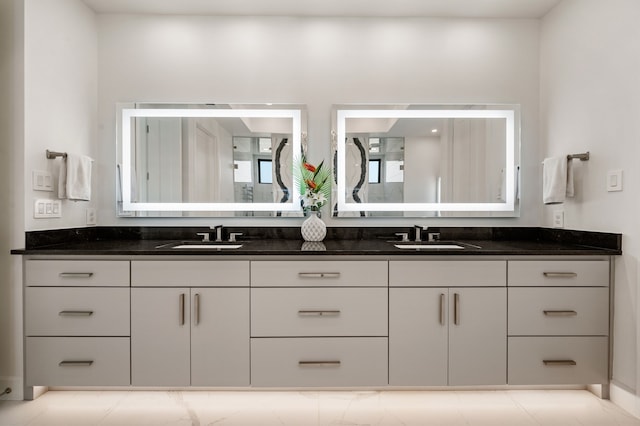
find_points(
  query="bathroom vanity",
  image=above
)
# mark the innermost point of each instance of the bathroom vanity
(359, 312)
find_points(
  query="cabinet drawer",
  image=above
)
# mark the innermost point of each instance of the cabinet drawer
(559, 311)
(311, 273)
(319, 312)
(77, 361)
(52, 311)
(320, 362)
(190, 273)
(447, 273)
(561, 273)
(557, 360)
(74, 273)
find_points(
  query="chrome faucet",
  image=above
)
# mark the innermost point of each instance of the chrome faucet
(419, 229)
(218, 231)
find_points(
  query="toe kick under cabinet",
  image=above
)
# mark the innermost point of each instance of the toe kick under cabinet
(301, 322)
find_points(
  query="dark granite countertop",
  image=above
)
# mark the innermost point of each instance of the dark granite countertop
(133, 241)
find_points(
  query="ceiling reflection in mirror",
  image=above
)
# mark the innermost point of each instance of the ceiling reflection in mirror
(208, 160)
(427, 160)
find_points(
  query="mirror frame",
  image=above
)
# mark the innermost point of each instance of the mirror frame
(511, 113)
(128, 112)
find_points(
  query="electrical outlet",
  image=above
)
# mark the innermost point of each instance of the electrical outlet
(558, 219)
(91, 216)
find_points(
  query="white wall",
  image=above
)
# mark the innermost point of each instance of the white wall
(61, 75)
(590, 101)
(11, 195)
(317, 62)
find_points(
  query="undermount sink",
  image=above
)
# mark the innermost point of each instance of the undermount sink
(434, 245)
(429, 246)
(201, 245)
(207, 246)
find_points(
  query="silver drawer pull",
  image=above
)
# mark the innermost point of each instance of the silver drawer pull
(560, 274)
(559, 362)
(75, 363)
(75, 313)
(319, 363)
(76, 274)
(322, 313)
(560, 313)
(319, 274)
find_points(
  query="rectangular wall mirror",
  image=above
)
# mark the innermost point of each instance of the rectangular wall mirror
(208, 159)
(426, 160)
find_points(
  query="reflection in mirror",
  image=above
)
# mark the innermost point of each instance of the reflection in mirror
(208, 160)
(427, 161)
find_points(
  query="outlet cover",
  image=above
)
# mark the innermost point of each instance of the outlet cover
(91, 216)
(558, 219)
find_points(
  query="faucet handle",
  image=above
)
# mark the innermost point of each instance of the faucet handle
(205, 236)
(404, 236)
(233, 235)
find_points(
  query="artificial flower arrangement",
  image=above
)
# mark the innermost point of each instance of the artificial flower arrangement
(315, 185)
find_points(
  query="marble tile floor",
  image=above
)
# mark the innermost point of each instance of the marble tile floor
(310, 408)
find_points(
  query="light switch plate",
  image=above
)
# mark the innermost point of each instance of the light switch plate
(558, 219)
(46, 209)
(42, 180)
(614, 180)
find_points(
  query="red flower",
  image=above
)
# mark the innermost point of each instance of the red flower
(309, 167)
(311, 184)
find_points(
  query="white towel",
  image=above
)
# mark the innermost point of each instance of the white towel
(555, 180)
(74, 180)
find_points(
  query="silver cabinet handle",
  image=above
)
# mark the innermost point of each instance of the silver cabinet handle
(76, 274)
(75, 313)
(319, 274)
(181, 309)
(442, 300)
(319, 363)
(456, 309)
(560, 313)
(559, 362)
(560, 274)
(319, 313)
(75, 363)
(196, 307)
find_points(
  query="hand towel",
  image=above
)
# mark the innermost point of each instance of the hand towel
(570, 186)
(74, 181)
(554, 180)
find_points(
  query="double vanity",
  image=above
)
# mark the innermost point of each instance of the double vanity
(485, 307)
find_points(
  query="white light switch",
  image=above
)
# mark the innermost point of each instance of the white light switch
(614, 180)
(42, 181)
(45, 208)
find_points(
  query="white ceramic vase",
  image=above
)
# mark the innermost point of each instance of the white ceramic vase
(313, 228)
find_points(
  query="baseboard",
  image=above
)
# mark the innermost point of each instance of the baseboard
(13, 383)
(626, 400)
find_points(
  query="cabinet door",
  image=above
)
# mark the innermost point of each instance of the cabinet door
(220, 337)
(478, 336)
(160, 337)
(418, 336)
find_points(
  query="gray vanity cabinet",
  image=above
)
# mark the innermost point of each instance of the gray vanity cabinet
(183, 335)
(455, 334)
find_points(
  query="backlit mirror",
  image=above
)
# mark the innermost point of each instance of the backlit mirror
(426, 160)
(208, 160)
